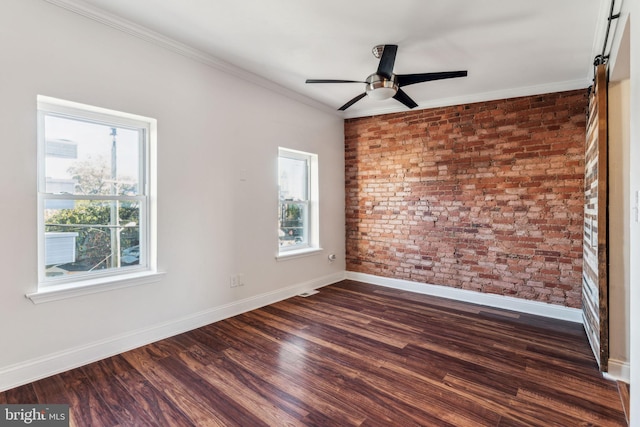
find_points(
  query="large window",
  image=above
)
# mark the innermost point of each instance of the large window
(297, 207)
(93, 193)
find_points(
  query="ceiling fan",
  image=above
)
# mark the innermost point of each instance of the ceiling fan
(383, 84)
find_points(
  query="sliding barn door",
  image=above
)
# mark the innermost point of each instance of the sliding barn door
(595, 295)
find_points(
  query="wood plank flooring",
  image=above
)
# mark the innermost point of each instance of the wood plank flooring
(623, 390)
(352, 355)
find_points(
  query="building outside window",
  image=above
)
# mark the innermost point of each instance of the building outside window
(297, 207)
(93, 192)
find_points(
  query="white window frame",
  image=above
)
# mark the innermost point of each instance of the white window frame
(54, 288)
(311, 220)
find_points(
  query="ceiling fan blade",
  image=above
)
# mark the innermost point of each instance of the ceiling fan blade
(405, 99)
(385, 67)
(332, 81)
(409, 79)
(353, 101)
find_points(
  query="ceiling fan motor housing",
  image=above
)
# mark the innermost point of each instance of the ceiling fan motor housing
(379, 87)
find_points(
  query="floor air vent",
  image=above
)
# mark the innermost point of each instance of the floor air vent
(308, 293)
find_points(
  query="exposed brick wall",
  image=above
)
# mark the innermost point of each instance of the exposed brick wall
(486, 197)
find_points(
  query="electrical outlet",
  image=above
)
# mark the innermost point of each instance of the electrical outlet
(240, 279)
(233, 281)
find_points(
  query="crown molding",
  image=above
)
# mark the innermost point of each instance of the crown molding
(121, 24)
(136, 30)
(473, 98)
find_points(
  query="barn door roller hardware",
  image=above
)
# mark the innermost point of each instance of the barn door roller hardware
(603, 58)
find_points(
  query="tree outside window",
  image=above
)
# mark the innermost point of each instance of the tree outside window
(92, 192)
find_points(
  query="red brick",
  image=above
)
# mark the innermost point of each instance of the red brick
(486, 196)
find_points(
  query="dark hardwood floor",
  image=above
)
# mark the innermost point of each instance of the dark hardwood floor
(352, 355)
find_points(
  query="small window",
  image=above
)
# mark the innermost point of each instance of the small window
(297, 207)
(93, 192)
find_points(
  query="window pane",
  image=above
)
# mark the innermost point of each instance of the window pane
(293, 219)
(84, 235)
(87, 158)
(293, 179)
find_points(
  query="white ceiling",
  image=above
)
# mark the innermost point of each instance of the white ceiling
(510, 48)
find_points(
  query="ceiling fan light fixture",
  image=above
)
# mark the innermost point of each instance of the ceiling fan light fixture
(384, 84)
(379, 88)
(382, 93)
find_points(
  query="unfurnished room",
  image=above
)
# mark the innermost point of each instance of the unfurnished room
(320, 213)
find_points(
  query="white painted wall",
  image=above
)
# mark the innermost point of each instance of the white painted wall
(619, 167)
(634, 306)
(218, 139)
(625, 61)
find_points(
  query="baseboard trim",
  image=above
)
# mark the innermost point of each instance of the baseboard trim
(491, 300)
(51, 364)
(618, 370)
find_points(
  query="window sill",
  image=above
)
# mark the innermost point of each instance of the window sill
(48, 293)
(285, 256)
